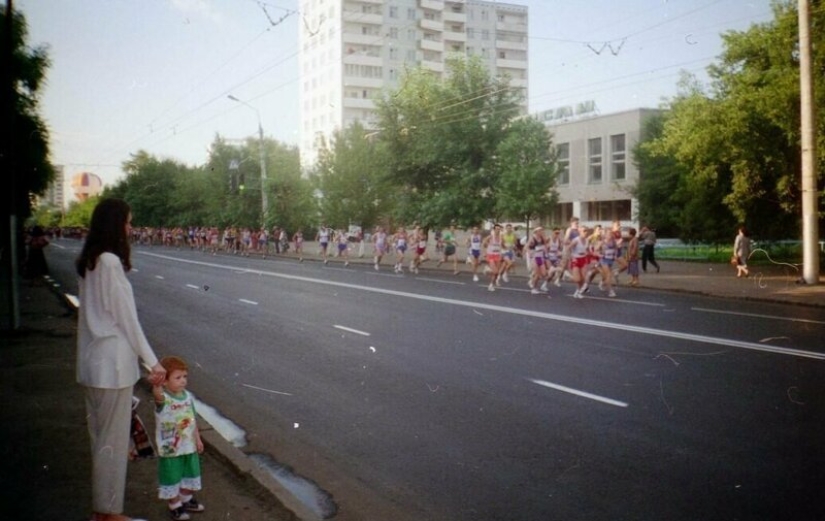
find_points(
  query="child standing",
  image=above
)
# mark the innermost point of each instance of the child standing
(178, 440)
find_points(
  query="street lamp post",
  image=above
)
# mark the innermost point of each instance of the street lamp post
(264, 199)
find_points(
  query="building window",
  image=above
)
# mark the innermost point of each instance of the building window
(563, 162)
(394, 33)
(618, 154)
(502, 55)
(411, 13)
(485, 34)
(393, 11)
(594, 158)
(471, 32)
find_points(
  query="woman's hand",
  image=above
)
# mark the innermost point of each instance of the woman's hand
(158, 375)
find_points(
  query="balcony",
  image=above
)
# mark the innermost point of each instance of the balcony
(451, 16)
(362, 59)
(360, 39)
(363, 18)
(452, 36)
(359, 103)
(431, 45)
(511, 64)
(367, 83)
(431, 25)
(433, 66)
(512, 46)
(435, 5)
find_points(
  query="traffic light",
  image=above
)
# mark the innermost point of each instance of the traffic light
(241, 181)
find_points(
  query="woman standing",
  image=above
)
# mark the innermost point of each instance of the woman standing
(109, 343)
(742, 250)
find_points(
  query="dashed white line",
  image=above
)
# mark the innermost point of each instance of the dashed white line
(252, 302)
(192, 286)
(356, 331)
(159, 277)
(576, 392)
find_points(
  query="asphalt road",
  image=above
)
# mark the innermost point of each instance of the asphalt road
(429, 398)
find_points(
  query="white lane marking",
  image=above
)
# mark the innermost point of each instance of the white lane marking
(616, 299)
(248, 301)
(73, 300)
(135, 270)
(192, 286)
(159, 277)
(267, 390)
(524, 312)
(57, 245)
(357, 332)
(576, 392)
(440, 281)
(757, 315)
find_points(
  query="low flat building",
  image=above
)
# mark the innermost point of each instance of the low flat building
(597, 171)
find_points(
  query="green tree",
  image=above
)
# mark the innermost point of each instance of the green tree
(442, 136)
(24, 150)
(659, 181)
(737, 142)
(79, 213)
(350, 179)
(528, 173)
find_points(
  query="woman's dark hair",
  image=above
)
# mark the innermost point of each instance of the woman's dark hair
(107, 233)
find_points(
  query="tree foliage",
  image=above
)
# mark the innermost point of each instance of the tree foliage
(444, 138)
(350, 178)
(736, 143)
(527, 172)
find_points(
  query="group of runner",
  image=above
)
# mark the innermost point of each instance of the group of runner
(577, 253)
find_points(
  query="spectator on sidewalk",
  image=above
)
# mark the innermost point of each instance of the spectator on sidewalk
(178, 439)
(742, 251)
(648, 240)
(109, 343)
(35, 265)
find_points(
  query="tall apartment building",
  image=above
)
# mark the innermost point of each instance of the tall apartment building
(55, 194)
(351, 51)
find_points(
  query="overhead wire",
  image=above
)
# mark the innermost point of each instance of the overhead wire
(377, 40)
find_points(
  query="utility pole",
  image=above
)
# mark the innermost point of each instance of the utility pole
(810, 194)
(262, 154)
(9, 257)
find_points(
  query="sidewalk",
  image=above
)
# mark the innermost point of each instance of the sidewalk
(45, 448)
(45, 461)
(767, 283)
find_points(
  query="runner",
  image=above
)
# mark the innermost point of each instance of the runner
(449, 239)
(343, 246)
(492, 245)
(298, 239)
(420, 240)
(474, 253)
(509, 242)
(555, 248)
(579, 259)
(379, 240)
(323, 241)
(400, 241)
(535, 248)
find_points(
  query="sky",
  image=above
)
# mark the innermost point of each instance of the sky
(154, 75)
